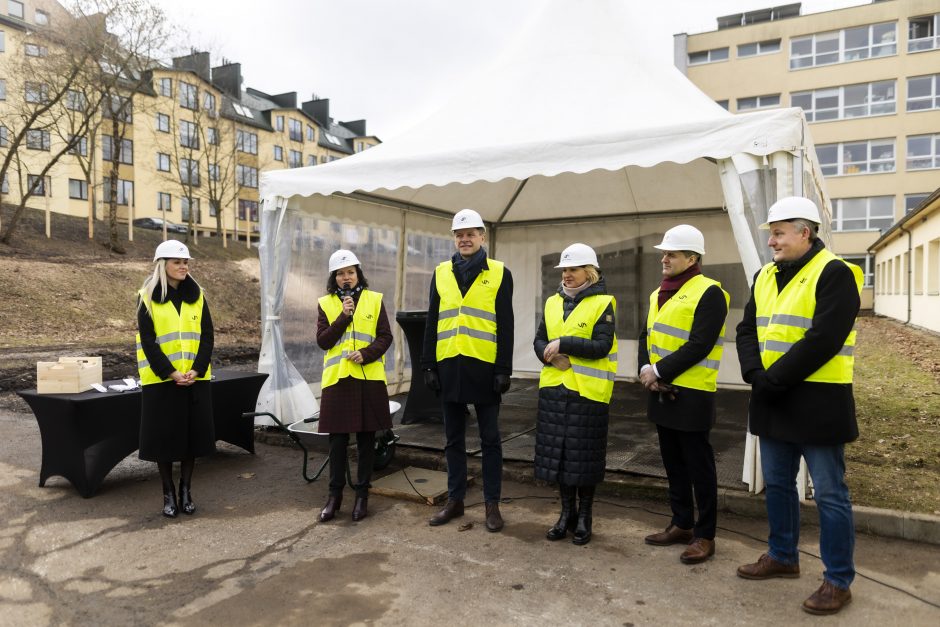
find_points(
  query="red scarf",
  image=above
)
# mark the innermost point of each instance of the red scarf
(671, 285)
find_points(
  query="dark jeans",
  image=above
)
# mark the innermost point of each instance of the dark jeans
(690, 467)
(455, 450)
(365, 445)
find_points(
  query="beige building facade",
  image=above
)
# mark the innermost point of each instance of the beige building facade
(868, 80)
(196, 141)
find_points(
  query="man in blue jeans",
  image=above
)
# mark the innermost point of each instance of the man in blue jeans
(795, 346)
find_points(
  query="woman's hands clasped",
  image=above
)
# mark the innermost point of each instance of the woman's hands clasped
(184, 379)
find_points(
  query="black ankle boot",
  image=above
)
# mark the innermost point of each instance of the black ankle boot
(170, 508)
(186, 499)
(568, 519)
(582, 533)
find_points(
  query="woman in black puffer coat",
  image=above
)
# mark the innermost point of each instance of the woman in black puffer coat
(577, 329)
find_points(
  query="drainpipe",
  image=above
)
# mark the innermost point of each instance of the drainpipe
(910, 261)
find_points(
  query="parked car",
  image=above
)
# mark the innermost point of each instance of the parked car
(157, 225)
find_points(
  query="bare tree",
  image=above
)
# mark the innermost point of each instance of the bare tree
(219, 154)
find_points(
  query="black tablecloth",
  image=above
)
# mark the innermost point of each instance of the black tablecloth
(422, 404)
(85, 435)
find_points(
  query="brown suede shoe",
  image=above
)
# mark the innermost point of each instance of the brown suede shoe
(829, 599)
(767, 567)
(700, 549)
(452, 509)
(672, 535)
(494, 521)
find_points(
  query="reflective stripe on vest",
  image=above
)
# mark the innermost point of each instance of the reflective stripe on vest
(591, 378)
(783, 318)
(667, 329)
(365, 322)
(178, 334)
(466, 324)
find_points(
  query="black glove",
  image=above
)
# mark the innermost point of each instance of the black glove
(431, 380)
(501, 383)
(763, 385)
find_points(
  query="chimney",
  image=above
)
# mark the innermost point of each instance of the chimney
(228, 78)
(197, 62)
(358, 127)
(319, 110)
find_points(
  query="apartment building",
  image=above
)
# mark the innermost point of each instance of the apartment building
(868, 80)
(194, 143)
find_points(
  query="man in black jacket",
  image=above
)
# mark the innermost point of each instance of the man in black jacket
(795, 346)
(468, 343)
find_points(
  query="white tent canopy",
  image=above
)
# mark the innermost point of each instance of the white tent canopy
(573, 135)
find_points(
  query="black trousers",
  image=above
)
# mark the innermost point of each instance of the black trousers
(365, 447)
(690, 467)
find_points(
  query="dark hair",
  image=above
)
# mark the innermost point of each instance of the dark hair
(332, 287)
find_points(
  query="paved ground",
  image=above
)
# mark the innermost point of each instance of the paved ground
(253, 555)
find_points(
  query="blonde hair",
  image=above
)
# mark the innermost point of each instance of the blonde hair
(158, 278)
(593, 274)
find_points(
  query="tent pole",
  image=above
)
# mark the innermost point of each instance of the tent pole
(400, 302)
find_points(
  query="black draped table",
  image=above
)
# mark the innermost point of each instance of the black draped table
(85, 435)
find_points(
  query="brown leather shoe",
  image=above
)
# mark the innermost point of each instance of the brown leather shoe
(360, 508)
(672, 535)
(767, 567)
(829, 599)
(700, 549)
(452, 509)
(332, 506)
(494, 521)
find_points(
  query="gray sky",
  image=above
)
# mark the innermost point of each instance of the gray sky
(393, 62)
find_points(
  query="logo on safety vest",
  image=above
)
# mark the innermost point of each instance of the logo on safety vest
(581, 325)
(368, 316)
(485, 282)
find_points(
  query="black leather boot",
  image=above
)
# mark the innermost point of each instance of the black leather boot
(186, 499)
(568, 519)
(170, 508)
(332, 506)
(360, 508)
(582, 533)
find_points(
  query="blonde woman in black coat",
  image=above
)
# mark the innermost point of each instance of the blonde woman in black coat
(577, 345)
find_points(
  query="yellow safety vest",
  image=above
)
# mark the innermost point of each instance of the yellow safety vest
(466, 324)
(667, 329)
(365, 321)
(783, 318)
(591, 378)
(178, 334)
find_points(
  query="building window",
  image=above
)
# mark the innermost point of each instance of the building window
(246, 142)
(850, 101)
(862, 157)
(4, 136)
(163, 122)
(278, 153)
(866, 263)
(923, 33)
(125, 190)
(41, 17)
(759, 47)
(37, 140)
(3, 41)
(208, 102)
(164, 201)
(295, 159)
(122, 108)
(213, 171)
(15, 9)
(311, 159)
(923, 152)
(3, 89)
(80, 147)
(78, 189)
(166, 87)
(912, 200)
(35, 185)
(189, 172)
(708, 56)
(246, 176)
(850, 44)
(126, 154)
(163, 162)
(188, 95)
(279, 123)
(923, 93)
(5, 185)
(190, 205)
(247, 210)
(758, 102)
(35, 50)
(189, 135)
(862, 214)
(212, 136)
(75, 100)
(36, 93)
(311, 134)
(295, 130)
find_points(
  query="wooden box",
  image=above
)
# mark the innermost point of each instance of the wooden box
(68, 375)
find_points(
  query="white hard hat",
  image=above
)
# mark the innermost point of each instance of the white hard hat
(171, 249)
(342, 258)
(578, 255)
(790, 208)
(467, 219)
(683, 237)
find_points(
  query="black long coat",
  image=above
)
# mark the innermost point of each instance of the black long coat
(691, 410)
(571, 431)
(805, 412)
(467, 379)
(176, 422)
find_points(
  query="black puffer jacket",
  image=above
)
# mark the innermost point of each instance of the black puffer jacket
(571, 432)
